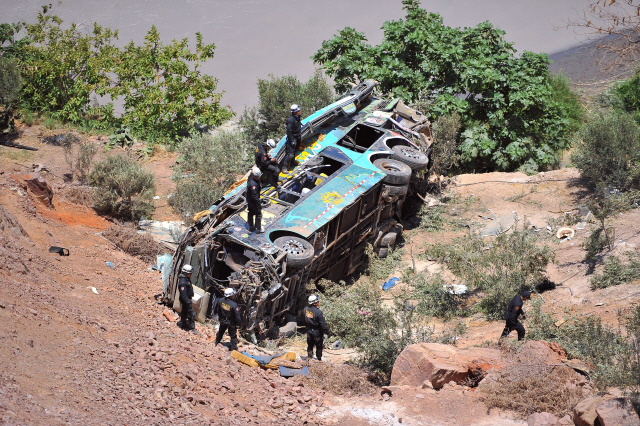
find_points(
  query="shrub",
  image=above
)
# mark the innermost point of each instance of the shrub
(499, 268)
(10, 85)
(276, 95)
(615, 272)
(607, 151)
(124, 189)
(378, 269)
(446, 140)
(79, 156)
(612, 351)
(207, 166)
(628, 93)
(567, 100)
(433, 298)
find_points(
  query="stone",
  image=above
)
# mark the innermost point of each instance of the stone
(439, 364)
(584, 413)
(617, 412)
(542, 419)
(39, 188)
(566, 421)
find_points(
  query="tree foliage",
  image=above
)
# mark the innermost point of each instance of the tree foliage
(510, 118)
(276, 95)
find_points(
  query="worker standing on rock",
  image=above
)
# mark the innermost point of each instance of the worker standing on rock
(294, 132)
(229, 316)
(254, 209)
(514, 309)
(185, 288)
(316, 327)
(265, 163)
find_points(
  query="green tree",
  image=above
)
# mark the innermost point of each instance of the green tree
(628, 92)
(510, 118)
(163, 88)
(62, 68)
(277, 94)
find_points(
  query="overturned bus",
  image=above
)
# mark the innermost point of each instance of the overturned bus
(353, 170)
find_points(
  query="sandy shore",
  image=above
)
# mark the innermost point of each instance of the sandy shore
(255, 38)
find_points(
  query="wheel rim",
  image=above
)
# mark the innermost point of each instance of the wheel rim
(411, 153)
(293, 247)
(392, 168)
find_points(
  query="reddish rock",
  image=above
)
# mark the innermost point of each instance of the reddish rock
(542, 419)
(550, 353)
(440, 364)
(39, 188)
(617, 412)
(584, 413)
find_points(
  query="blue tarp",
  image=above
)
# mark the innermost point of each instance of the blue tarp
(290, 372)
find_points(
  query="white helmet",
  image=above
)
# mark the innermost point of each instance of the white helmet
(271, 143)
(313, 299)
(256, 171)
(295, 108)
(228, 292)
(187, 269)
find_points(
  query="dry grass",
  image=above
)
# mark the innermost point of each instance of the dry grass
(528, 385)
(339, 379)
(127, 238)
(81, 195)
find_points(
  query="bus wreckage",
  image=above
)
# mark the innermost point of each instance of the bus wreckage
(357, 160)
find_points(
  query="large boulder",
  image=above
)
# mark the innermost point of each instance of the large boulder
(617, 412)
(439, 364)
(584, 413)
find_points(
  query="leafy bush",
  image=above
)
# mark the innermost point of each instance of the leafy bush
(79, 156)
(277, 94)
(500, 268)
(607, 150)
(615, 272)
(124, 189)
(357, 315)
(612, 351)
(207, 166)
(10, 85)
(433, 298)
(567, 99)
(506, 102)
(628, 93)
(378, 269)
(446, 140)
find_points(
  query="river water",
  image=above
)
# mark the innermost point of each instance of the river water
(255, 38)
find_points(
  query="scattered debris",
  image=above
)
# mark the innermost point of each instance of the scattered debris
(456, 288)
(60, 250)
(110, 265)
(390, 284)
(93, 289)
(565, 232)
(498, 226)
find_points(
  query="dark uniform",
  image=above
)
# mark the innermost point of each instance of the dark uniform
(511, 316)
(253, 203)
(294, 131)
(265, 164)
(187, 314)
(316, 327)
(229, 316)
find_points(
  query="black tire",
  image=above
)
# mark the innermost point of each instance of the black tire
(288, 330)
(412, 157)
(387, 212)
(388, 240)
(392, 190)
(397, 173)
(381, 252)
(299, 252)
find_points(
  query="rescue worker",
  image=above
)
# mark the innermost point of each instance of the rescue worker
(185, 288)
(294, 131)
(316, 327)
(265, 163)
(254, 208)
(229, 316)
(514, 309)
